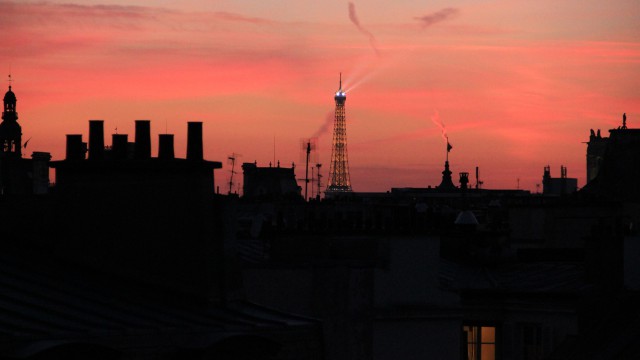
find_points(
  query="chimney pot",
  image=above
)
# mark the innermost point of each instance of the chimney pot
(143, 140)
(194, 140)
(165, 146)
(75, 147)
(96, 139)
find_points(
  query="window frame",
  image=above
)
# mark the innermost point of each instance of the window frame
(477, 341)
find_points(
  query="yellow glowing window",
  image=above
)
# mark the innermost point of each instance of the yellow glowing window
(480, 342)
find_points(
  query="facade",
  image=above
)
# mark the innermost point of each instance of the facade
(131, 256)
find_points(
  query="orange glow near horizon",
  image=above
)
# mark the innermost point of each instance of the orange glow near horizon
(518, 85)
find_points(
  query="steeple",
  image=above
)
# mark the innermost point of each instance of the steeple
(447, 183)
(10, 131)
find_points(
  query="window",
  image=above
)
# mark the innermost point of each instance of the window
(536, 340)
(480, 343)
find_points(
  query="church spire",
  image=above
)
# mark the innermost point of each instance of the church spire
(10, 130)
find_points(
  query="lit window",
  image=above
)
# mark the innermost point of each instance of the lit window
(480, 342)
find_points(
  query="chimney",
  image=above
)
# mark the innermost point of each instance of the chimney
(40, 172)
(119, 144)
(194, 140)
(165, 146)
(143, 140)
(75, 147)
(96, 139)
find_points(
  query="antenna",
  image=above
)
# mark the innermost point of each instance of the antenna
(308, 145)
(232, 160)
(312, 182)
(478, 182)
(319, 177)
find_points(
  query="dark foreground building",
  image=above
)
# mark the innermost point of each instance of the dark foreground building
(453, 272)
(130, 256)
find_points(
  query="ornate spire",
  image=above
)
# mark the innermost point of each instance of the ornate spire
(10, 131)
(447, 182)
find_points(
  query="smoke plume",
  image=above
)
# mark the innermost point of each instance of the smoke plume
(356, 22)
(435, 118)
(324, 128)
(436, 17)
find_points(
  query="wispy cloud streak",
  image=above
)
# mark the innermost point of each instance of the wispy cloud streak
(436, 17)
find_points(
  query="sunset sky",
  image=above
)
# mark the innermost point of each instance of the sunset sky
(517, 85)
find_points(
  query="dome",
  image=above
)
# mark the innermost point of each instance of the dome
(466, 218)
(9, 96)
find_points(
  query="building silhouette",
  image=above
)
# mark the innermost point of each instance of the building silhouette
(131, 256)
(270, 183)
(558, 186)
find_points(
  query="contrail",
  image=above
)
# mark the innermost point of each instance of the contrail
(436, 17)
(356, 22)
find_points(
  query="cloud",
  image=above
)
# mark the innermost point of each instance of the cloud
(436, 17)
(241, 18)
(26, 15)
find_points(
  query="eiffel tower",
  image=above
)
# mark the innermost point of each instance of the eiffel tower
(339, 181)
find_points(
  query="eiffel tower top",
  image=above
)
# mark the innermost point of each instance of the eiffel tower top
(340, 94)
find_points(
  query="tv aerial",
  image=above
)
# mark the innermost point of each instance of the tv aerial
(308, 151)
(231, 160)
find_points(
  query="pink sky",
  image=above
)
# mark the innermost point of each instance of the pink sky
(517, 84)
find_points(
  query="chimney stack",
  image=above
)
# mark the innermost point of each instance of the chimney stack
(75, 147)
(96, 139)
(194, 140)
(40, 172)
(143, 139)
(119, 144)
(165, 146)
